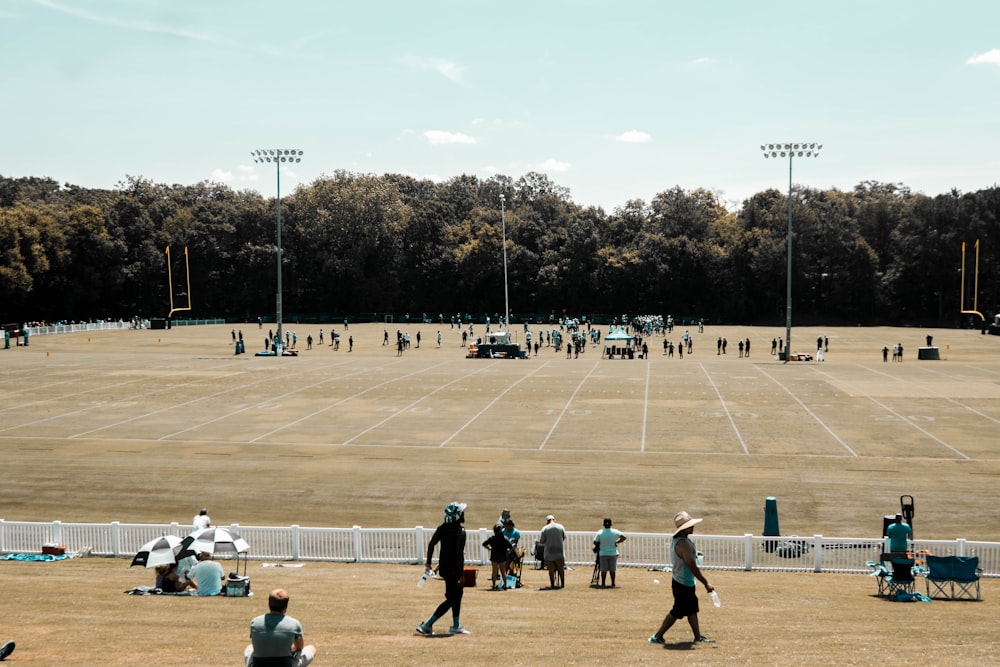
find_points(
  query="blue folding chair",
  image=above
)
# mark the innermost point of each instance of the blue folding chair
(965, 575)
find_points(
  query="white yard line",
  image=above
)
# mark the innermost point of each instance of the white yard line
(725, 407)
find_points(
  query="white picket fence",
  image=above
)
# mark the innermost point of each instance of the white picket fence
(409, 545)
(113, 325)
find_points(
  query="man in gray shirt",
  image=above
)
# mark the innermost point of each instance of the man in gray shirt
(276, 638)
(552, 538)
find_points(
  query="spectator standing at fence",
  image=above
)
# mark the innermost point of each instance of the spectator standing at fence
(499, 547)
(685, 571)
(200, 521)
(276, 638)
(607, 541)
(899, 535)
(553, 538)
(451, 566)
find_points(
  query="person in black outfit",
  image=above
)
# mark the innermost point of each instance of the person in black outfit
(451, 566)
(499, 547)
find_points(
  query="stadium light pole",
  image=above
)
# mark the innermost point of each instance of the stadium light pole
(506, 302)
(790, 151)
(277, 156)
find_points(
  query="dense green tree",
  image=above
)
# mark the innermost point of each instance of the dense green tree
(393, 243)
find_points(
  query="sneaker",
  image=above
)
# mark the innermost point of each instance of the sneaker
(704, 640)
(460, 630)
(657, 640)
(6, 650)
(425, 630)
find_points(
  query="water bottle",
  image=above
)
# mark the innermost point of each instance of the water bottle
(715, 599)
(423, 579)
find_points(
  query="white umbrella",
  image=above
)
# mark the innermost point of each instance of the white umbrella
(161, 551)
(214, 541)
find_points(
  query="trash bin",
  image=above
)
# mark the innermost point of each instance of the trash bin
(771, 528)
(469, 577)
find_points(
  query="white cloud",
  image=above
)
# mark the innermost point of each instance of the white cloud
(245, 174)
(553, 165)
(446, 68)
(491, 169)
(991, 57)
(139, 25)
(634, 137)
(442, 137)
(703, 60)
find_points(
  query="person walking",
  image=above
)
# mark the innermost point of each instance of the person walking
(607, 541)
(276, 638)
(451, 565)
(553, 539)
(684, 572)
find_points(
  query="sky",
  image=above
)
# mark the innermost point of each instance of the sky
(614, 100)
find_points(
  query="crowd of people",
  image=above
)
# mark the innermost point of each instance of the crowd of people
(450, 536)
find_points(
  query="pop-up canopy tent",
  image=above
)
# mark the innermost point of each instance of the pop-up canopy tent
(618, 342)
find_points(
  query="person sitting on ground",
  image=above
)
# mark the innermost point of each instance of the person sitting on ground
(276, 638)
(167, 579)
(206, 577)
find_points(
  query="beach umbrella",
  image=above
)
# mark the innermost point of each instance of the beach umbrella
(161, 551)
(215, 541)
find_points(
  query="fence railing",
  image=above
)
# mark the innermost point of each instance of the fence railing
(110, 326)
(409, 545)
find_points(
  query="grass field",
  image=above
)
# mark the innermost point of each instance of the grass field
(148, 426)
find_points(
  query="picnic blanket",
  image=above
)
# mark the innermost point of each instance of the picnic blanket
(34, 557)
(153, 590)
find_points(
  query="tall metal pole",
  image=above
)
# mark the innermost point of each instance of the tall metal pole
(792, 150)
(506, 302)
(278, 156)
(277, 301)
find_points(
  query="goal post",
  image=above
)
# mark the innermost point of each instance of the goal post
(186, 294)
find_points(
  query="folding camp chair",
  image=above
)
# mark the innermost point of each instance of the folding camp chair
(901, 579)
(515, 559)
(880, 572)
(965, 575)
(938, 579)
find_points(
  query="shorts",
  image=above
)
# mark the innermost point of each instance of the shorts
(608, 563)
(685, 600)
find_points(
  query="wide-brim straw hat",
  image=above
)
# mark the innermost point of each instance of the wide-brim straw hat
(683, 521)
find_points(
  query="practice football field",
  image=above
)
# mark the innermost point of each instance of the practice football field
(149, 426)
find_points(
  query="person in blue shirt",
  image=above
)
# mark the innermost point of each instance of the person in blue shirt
(899, 535)
(512, 534)
(607, 541)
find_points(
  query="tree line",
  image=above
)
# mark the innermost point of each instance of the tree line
(363, 243)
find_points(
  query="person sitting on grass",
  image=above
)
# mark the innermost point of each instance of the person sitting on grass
(276, 638)
(206, 577)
